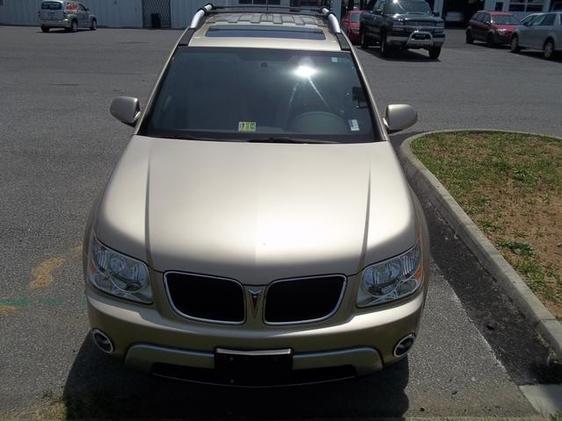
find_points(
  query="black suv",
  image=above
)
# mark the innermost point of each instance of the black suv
(402, 24)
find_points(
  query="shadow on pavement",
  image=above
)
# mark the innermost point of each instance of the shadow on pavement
(100, 387)
(401, 55)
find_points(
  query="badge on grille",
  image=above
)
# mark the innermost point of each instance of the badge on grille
(255, 294)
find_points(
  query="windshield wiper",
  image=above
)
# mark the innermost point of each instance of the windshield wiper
(287, 140)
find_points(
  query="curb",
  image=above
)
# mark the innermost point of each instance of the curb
(489, 257)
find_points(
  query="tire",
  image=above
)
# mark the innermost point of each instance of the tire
(514, 45)
(490, 42)
(45, 28)
(364, 40)
(548, 49)
(434, 53)
(94, 25)
(469, 37)
(74, 26)
(386, 50)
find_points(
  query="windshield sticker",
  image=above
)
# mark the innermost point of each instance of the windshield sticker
(246, 126)
(353, 125)
(334, 59)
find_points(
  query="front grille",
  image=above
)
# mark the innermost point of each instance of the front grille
(303, 300)
(419, 23)
(206, 298)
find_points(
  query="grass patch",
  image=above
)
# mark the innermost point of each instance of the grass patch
(511, 186)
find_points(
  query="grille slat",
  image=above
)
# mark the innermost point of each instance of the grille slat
(303, 300)
(206, 298)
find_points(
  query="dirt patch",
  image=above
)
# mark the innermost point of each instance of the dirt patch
(511, 187)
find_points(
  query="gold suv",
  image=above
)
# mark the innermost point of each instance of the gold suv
(258, 229)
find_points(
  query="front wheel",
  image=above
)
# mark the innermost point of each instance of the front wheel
(548, 50)
(73, 26)
(434, 53)
(469, 37)
(93, 25)
(490, 42)
(45, 28)
(385, 46)
(515, 44)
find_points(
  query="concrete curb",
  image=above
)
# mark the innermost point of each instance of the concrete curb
(517, 290)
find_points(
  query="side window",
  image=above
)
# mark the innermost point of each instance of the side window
(537, 21)
(371, 5)
(477, 17)
(81, 7)
(486, 18)
(379, 6)
(549, 19)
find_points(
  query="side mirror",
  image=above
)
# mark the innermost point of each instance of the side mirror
(126, 109)
(399, 117)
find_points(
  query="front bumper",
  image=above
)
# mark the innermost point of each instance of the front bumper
(145, 339)
(416, 39)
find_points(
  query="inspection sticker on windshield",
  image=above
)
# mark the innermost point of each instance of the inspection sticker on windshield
(246, 126)
(353, 125)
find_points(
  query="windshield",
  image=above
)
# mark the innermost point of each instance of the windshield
(258, 94)
(408, 6)
(505, 20)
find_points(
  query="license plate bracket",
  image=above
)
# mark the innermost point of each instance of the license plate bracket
(254, 368)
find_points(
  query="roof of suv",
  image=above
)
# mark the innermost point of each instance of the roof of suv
(255, 29)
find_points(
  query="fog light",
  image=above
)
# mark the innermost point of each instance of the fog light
(102, 341)
(404, 345)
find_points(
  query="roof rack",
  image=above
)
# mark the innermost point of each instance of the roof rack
(200, 16)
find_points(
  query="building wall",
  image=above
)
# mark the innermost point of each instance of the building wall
(118, 13)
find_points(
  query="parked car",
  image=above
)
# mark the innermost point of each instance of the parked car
(69, 15)
(402, 24)
(350, 25)
(258, 228)
(493, 28)
(543, 31)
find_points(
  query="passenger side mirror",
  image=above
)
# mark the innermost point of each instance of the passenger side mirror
(126, 109)
(399, 117)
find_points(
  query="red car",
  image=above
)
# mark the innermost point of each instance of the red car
(350, 25)
(494, 28)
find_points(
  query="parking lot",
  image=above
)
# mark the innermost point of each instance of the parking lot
(58, 145)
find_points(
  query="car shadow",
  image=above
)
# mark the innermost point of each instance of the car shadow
(100, 387)
(63, 31)
(401, 55)
(539, 55)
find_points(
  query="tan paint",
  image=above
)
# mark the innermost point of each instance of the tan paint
(42, 274)
(6, 309)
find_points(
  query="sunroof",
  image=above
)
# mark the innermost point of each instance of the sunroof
(262, 31)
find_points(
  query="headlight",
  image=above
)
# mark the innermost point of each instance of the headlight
(116, 274)
(391, 280)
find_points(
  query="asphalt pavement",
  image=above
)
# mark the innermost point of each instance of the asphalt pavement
(58, 145)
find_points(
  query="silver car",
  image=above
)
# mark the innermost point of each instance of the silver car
(258, 229)
(541, 31)
(70, 15)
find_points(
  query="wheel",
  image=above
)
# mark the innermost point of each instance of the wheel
(548, 49)
(94, 25)
(434, 53)
(45, 28)
(469, 37)
(515, 44)
(490, 42)
(386, 50)
(74, 26)
(364, 40)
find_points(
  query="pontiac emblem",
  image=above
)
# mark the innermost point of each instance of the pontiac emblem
(255, 294)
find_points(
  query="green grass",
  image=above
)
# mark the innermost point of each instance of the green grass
(511, 186)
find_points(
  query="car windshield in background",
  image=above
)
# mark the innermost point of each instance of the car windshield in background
(261, 95)
(51, 5)
(505, 20)
(355, 17)
(405, 6)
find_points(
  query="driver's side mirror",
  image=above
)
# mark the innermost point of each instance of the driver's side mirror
(126, 109)
(399, 117)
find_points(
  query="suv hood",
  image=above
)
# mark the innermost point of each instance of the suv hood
(257, 211)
